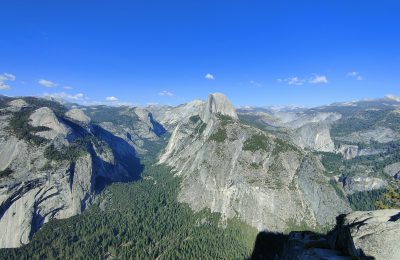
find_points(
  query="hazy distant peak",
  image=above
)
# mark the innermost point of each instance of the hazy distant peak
(392, 98)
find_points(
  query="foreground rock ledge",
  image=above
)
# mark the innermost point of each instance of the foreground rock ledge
(358, 235)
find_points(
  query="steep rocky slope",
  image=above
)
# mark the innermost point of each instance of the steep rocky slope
(239, 170)
(364, 133)
(170, 116)
(54, 162)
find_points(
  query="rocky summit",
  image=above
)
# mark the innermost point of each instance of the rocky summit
(239, 170)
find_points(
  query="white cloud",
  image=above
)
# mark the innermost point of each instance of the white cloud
(66, 96)
(84, 100)
(315, 79)
(47, 83)
(255, 83)
(209, 76)
(165, 93)
(112, 98)
(294, 81)
(355, 74)
(68, 87)
(318, 79)
(4, 78)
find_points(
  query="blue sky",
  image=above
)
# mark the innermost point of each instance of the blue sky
(256, 52)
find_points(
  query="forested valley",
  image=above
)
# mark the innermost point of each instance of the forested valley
(140, 220)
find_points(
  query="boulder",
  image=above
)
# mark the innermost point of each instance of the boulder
(369, 234)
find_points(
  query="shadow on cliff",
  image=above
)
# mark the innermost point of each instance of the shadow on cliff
(128, 166)
(301, 244)
(269, 245)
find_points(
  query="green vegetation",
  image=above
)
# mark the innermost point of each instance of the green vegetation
(19, 123)
(337, 189)
(224, 119)
(365, 120)
(201, 126)
(390, 199)
(6, 172)
(140, 220)
(195, 119)
(282, 146)
(113, 115)
(365, 200)
(257, 122)
(256, 142)
(256, 165)
(296, 225)
(73, 151)
(67, 153)
(20, 126)
(332, 162)
(220, 136)
(36, 103)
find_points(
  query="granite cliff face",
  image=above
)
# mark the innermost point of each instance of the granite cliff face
(241, 171)
(365, 134)
(54, 162)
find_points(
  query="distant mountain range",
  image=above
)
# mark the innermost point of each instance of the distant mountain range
(276, 169)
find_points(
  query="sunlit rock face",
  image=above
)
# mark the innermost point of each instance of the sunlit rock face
(218, 103)
(39, 187)
(273, 186)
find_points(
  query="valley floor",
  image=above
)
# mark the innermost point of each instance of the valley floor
(140, 220)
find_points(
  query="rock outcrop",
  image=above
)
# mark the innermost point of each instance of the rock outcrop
(218, 103)
(239, 170)
(147, 118)
(372, 233)
(61, 175)
(362, 183)
(78, 115)
(45, 117)
(393, 170)
(170, 117)
(314, 136)
(358, 235)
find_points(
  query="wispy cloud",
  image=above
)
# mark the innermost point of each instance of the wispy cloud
(84, 100)
(297, 81)
(255, 83)
(65, 96)
(68, 87)
(4, 78)
(112, 98)
(47, 83)
(209, 76)
(355, 75)
(165, 93)
(292, 81)
(318, 79)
